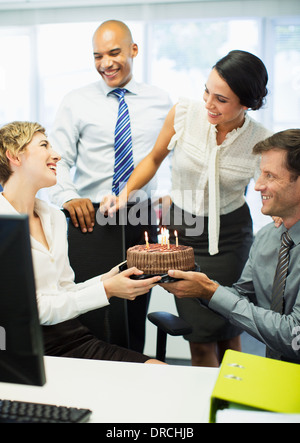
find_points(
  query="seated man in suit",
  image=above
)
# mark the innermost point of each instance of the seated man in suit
(265, 306)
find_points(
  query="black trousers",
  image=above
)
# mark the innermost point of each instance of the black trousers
(71, 339)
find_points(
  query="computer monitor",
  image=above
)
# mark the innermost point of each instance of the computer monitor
(21, 342)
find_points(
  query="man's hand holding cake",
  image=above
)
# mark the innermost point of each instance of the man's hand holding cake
(191, 285)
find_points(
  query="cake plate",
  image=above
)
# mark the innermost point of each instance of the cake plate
(165, 278)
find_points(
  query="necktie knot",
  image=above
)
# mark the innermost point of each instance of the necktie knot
(120, 93)
(286, 240)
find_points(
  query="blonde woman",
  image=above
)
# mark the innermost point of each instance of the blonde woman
(27, 164)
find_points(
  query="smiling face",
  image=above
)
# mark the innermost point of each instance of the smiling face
(38, 162)
(223, 105)
(114, 52)
(280, 191)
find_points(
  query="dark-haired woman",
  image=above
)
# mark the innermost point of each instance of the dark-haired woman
(212, 165)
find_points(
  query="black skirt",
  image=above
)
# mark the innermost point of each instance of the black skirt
(236, 238)
(72, 339)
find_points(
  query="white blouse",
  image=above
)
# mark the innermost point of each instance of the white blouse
(210, 179)
(58, 297)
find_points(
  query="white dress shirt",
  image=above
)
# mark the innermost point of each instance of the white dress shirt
(83, 133)
(59, 298)
(221, 172)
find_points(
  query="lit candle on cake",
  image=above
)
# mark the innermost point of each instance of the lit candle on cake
(176, 236)
(162, 236)
(165, 237)
(147, 240)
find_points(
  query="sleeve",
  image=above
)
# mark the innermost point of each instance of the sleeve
(71, 301)
(59, 298)
(240, 305)
(180, 116)
(64, 138)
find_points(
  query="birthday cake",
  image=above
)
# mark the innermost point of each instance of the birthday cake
(156, 259)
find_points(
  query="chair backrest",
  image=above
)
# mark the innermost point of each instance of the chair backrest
(92, 254)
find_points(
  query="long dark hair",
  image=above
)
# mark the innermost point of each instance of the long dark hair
(247, 77)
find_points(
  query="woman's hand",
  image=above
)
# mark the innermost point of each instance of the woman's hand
(112, 204)
(278, 221)
(122, 286)
(109, 205)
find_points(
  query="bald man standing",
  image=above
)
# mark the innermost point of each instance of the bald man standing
(84, 135)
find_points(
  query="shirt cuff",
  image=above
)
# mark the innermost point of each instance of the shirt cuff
(223, 301)
(66, 197)
(93, 296)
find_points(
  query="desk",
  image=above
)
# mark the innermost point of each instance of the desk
(123, 392)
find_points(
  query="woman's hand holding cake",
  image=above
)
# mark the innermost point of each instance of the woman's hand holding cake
(130, 289)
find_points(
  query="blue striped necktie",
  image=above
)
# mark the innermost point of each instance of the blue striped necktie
(277, 302)
(124, 165)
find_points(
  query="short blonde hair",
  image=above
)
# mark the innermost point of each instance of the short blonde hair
(14, 137)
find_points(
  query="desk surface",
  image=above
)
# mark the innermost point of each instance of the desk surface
(123, 392)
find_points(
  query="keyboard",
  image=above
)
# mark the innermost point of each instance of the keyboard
(22, 412)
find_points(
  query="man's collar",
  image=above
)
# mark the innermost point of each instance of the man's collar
(294, 232)
(131, 87)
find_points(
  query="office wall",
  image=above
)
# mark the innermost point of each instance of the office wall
(20, 13)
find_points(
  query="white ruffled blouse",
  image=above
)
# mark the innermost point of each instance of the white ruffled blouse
(210, 179)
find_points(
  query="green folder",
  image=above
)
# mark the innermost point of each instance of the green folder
(256, 383)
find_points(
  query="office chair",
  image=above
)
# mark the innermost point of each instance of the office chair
(92, 254)
(167, 324)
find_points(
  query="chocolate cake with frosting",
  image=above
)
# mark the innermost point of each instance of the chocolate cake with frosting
(157, 259)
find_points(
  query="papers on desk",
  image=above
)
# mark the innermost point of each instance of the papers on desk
(235, 416)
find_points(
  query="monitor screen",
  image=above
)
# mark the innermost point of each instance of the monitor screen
(21, 342)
